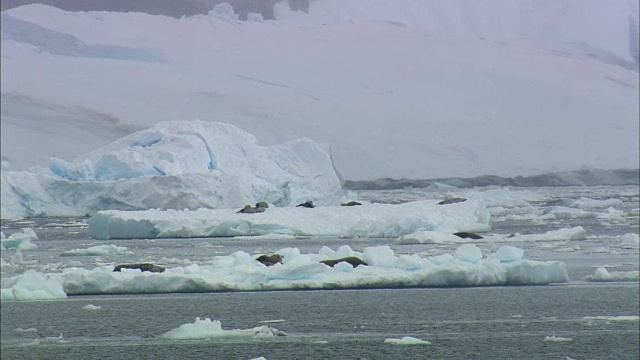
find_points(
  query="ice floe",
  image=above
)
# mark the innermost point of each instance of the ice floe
(601, 274)
(554, 338)
(407, 340)
(20, 240)
(99, 250)
(207, 329)
(370, 220)
(241, 272)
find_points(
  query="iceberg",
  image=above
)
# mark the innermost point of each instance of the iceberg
(207, 329)
(369, 220)
(407, 340)
(298, 271)
(175, 165)
(19, 240)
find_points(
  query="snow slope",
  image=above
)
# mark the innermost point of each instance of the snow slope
(392, 97)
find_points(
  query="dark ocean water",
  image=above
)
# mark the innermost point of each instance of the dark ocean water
(460, 323)
(464, 323)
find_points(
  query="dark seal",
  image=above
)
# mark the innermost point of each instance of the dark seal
(143, 267)
(270, 260)
(307, 204)
(468, 235)
(351, 203)
(262, 205)
(247, 209)
(352, 260)
(451, 201)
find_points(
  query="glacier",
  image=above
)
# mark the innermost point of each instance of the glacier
(398, 89)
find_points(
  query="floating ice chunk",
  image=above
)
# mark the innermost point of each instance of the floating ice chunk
(225, 12)
(99, 250)
(468, 253)
(91, 307)
(574, 233)
(21, 330)
(255, 17)
(602, 275)
(554, 338)
(630, 241)
(430, 237)
(371, 220)
(19, 240)
(614, 318)
(206, 328)
(508, 253)
(407, 340)
(32, 285)
(588, 204)
(561, 212)
(504, 198)
(379, 256)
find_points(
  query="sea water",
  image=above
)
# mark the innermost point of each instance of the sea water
(577, 320)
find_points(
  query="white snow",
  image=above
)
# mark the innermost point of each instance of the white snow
(206, 329)
(241, 272)
(99, 250)
(19, 240)
(397, 89)
(369, 220)
(572, 27)
(176, 165)
(407, 340)
(601, 274)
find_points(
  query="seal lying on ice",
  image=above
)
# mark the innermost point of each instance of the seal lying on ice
(351, 203)
(467, 235)
(270, 260)
(143, 267)
(451, 201)
(307, 204)
(352, 260)
(260, 207)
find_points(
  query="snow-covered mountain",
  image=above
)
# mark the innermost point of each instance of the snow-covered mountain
(414, 89)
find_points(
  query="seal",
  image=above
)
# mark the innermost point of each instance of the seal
(451, 201)
(262, 204)
(247, 209)
(143, 267)
(351, 203)
(270, 260)
(307, 204)
(352, 260)
(467, 235)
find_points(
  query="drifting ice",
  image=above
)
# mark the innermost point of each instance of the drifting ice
(241, 272)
